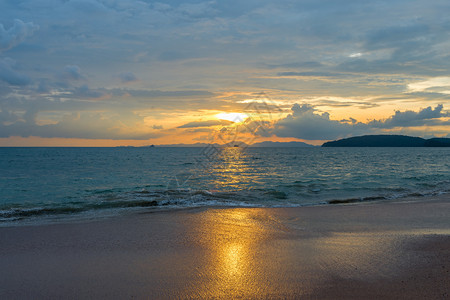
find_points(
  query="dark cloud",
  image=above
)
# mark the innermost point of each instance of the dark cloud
(410, 46)
(17, 33)
(313, 74)
(7, 116)
(430, 95)
(169, 56)
(158, 93)
(207, 123)
(84, 92)
(5, 89)
(72, 72)
(378, 66)
(127, 77)
(11, 76)
(395, 36)
(87, 6)
(334, 103)
(79, 125)
(411, 118)
(198, 10)
(296, 65)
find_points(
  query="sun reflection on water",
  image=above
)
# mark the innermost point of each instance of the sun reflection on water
(231, 169)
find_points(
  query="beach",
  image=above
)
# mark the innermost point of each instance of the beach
(352, 251)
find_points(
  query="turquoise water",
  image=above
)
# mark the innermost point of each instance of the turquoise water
(58, 183)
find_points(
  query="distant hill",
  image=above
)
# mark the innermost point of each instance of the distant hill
(201, 145)
(241, 144)
(281, 144)
(437, 142)
(388, 141)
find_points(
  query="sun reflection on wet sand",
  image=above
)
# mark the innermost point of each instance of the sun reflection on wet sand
(233, 260)
(232, 239)
(258, 253)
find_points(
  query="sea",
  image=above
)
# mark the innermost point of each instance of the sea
(41, 185)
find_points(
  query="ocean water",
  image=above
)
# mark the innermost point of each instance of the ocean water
(54, 184)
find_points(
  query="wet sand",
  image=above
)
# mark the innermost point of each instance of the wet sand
(365, 251)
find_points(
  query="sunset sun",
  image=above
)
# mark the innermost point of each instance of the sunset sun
(233, 117)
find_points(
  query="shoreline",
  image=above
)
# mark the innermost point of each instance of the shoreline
(396, 250)
(93, 216)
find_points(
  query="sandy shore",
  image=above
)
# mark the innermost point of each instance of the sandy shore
(369, 251)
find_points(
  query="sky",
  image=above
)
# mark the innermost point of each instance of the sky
(125, 72)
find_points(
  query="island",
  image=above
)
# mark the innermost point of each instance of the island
(388, 141)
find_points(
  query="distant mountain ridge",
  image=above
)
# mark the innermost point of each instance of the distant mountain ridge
(243, 145)
(281, 144)
(388, 141)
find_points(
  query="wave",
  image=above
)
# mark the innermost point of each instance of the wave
(97, 203)
(388, 198)
(111, 199)
(354, 200)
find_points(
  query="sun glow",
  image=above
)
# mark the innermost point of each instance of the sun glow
(233, 117)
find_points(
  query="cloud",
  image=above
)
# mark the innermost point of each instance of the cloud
(62, 92)
(305, 122)
(433, 85)
(312, 74)
(72, 72)
(406, 46)
(16, 34)
(159, 93)
(127, 77)
(207, 123)
(396, 36)
(200, 130)
(410, 118)
(302, 65)
(88, 6)
(5, 89)
(9, 75)
(80, 125)
(84, 92)
(7, 116)
(198, 10)
(353, 55)
(170, 56)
